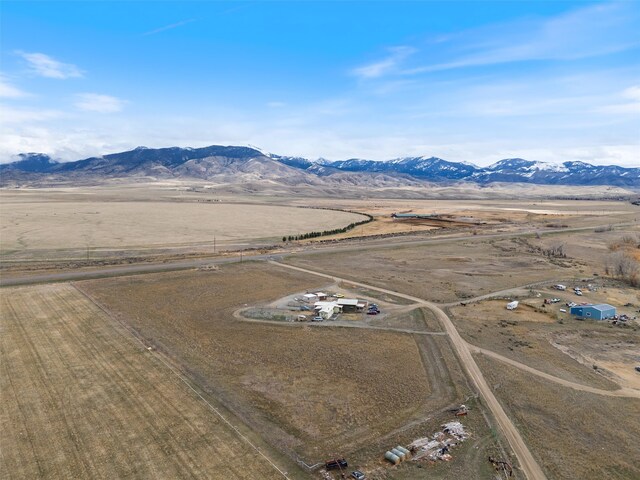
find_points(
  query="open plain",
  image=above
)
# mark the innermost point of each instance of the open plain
(148, 368)
(81, 398)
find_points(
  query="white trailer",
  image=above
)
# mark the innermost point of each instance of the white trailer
(512, 305)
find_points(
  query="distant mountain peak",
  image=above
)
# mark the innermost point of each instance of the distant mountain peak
(232, 163)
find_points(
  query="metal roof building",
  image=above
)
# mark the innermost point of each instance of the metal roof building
(601, 311)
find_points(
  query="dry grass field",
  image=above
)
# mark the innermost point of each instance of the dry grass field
(315, 392)
(525, 335)
(46, 228)
(574, 435)
(80, 398)
(442, 272)
(616, 353)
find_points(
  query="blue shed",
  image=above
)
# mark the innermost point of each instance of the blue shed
(601, 311)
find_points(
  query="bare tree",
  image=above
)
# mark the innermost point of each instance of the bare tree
(623, 266)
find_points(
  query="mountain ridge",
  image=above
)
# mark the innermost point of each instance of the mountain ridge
(240, 163)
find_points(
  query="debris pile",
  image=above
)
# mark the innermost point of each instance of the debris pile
(437, 446)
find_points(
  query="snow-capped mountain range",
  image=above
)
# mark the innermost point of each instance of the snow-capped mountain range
(436, 169)
(242, 164)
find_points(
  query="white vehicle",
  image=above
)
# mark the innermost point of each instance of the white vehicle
(512, 305)
(560, 287)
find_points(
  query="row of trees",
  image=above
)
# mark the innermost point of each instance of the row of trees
(335, 231)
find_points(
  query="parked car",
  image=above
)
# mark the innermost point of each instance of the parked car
(318, 319)
(305, 308)
(338, 295)
(358, 475)
(373, 312)
(579, 293)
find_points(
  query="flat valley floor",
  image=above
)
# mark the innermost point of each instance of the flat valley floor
(160, 374)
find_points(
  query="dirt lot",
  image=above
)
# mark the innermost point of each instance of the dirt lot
(525, 335)
(616, 353)
(574, 435)
(440, 272)
(80, 398)
(311, 391)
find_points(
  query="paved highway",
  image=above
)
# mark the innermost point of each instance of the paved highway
(309, 249)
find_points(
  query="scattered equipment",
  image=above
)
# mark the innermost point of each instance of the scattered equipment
(336, 464)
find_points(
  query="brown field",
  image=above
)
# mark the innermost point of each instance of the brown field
(80, 398)
(310, 391)
(615, 353)
(441, 272)
(60, 226)
(574, 435)
(525, 335)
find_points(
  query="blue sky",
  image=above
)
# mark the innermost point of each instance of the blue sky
(474, 81)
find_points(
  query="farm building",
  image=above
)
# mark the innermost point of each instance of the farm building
(326, 310)
(310, 297)
(351, 305)
(601, 311)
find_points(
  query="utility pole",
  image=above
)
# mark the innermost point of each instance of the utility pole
(214, 244)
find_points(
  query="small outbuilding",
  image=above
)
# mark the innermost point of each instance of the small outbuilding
(350, 305)
(601, 311)
(310, 297)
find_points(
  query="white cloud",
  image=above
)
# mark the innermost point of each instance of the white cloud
(95, 102)
(15, 116)
(632, 92)
(9, 91)
(386, 65)
(582, 33)
(632, 106)
(46, 66)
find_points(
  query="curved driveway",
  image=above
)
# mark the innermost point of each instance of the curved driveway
(528, 464)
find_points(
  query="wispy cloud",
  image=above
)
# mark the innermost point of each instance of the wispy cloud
(169, 27)
(582, 33)
(46, 66)
(630, 102)
(95, 102)
(387, 65)
(7, 90)
(18, 115)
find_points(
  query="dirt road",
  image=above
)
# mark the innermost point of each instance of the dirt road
(622, 392)
(309, 249)
(528, 464)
